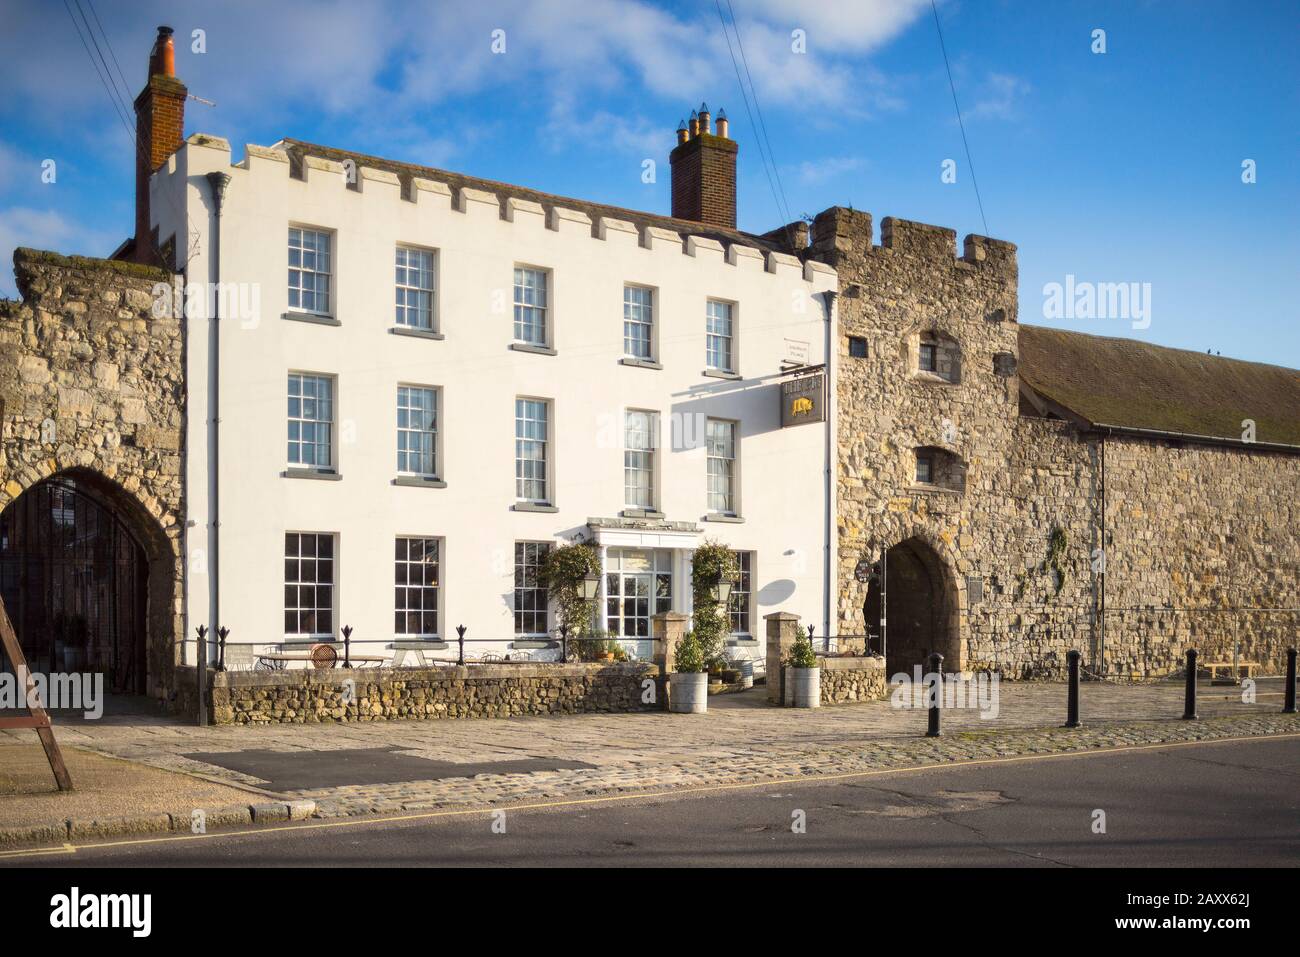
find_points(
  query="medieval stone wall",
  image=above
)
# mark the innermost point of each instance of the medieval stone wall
(91, 385)
(1202, 547)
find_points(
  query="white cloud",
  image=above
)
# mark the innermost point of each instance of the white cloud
(821, 170)
(999, 97)
(44, 229)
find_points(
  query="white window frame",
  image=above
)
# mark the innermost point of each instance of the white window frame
(640, 443)
(297, 608)
(314, 254)
(520, 297)
(639, 306)
(404, 291)
(727, 340)
(539, 551)
(301, 420)
(742, 594)
(403, 588)
(522, 417)
(434, 433)
(733, 491)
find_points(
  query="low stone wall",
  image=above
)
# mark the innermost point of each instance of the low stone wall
(304, 696)
(852, 679)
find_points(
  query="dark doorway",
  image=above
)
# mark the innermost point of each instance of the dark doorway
(917, 613)
(74, 582)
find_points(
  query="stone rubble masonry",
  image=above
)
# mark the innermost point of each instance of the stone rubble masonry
(852, 679)
(1194, 534)
(306, 696)
(92, 386)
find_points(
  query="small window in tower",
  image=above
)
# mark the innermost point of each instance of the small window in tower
(857, 347)
(925, 468)
(927, 357)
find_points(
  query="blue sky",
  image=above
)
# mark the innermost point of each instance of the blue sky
(1117, 167)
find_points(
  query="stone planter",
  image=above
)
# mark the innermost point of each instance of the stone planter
(688, 692)
(807, 685)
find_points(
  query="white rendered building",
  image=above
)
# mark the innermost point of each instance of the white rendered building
(419, 381)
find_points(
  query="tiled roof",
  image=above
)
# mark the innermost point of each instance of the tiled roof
(1136, 385)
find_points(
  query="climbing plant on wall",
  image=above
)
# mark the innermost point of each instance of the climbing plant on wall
(562, 572)
(711, 563)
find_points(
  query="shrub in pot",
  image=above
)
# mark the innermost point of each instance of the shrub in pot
(688, 689)
(805, 674)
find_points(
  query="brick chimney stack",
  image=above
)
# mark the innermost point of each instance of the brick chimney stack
(704, 171)
(159, 132)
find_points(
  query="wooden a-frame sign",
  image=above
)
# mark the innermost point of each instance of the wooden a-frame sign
(37, 719)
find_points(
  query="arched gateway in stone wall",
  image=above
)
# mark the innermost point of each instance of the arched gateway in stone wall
(91, 510)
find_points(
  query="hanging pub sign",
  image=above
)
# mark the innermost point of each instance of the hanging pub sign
(803, 400)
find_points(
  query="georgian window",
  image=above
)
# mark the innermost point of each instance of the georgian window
(309, 584)
(531, 598)
(531, 450)
(416, 583)
(742, 594)
(718, 336)
(640, 434)
(531, 305)
(309, 270)
(638, 322)
(311, 421)
(415, 288)
(721, 441)
(417, 430)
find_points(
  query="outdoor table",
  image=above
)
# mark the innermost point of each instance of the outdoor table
(275, 660)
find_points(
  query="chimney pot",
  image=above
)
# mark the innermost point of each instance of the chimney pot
(723, 124)
(683, 134)
(162, 59)
(705, 126)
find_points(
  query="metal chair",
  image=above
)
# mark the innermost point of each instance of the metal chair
(489, 657)
(323, 657)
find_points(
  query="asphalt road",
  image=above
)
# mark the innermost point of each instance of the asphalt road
(1234, 804)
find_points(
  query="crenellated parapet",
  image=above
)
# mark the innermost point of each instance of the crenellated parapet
(392, 183)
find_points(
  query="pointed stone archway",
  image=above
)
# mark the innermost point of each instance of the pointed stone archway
(89, 579)
(922, 607)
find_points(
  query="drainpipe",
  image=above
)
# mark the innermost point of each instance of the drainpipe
(218, 181)
(828, 297)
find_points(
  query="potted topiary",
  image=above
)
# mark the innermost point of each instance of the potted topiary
(805, 674)
(688, 689)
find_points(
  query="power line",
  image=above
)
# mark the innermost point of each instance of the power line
(95, 66)
(126, 87)
(952, 86)
(759, 110)
(762, 155)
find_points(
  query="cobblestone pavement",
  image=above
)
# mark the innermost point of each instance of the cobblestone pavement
(740, 740)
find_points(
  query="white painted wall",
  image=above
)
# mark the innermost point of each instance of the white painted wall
(782, 482)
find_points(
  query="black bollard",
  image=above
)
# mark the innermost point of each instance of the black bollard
(201, 673)
(934, 700)
(1072, 704)
(460, 636)
(564, 644)
(1189, 699)
(347, 646)
(1289, 706)
(222, 633)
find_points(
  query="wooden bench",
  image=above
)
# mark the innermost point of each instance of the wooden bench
(1234, 671)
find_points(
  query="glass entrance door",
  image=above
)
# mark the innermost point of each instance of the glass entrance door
(638, 585)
